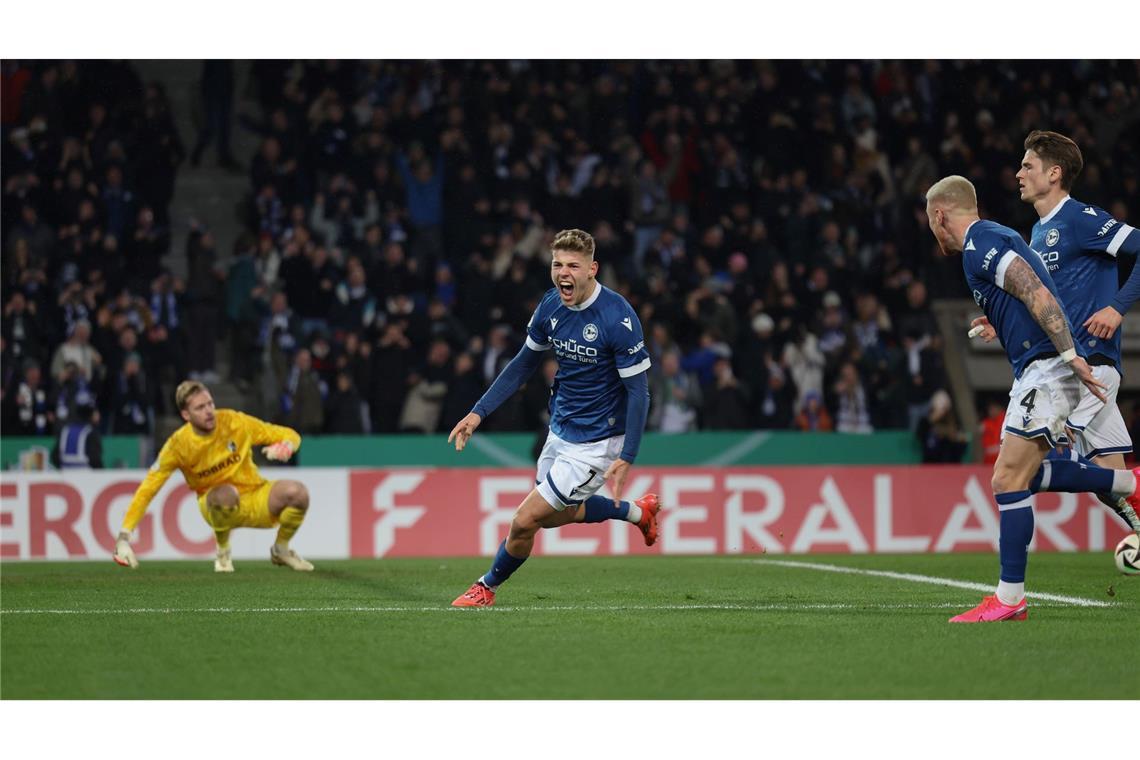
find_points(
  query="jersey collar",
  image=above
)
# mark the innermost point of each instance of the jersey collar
(966, 232)
(1056, 208)
(589, 301)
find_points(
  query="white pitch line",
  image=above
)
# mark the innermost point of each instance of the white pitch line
(1065, 600)
(554, 608)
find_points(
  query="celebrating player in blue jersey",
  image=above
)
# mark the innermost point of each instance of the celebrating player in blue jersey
(598, 407)
(1011, 284)
(1079, 244)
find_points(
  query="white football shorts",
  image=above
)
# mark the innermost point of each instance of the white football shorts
(1099, 428)
(569, 473)
(1041, 401)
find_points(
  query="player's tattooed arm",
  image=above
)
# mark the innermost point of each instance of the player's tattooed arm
(1024, 284)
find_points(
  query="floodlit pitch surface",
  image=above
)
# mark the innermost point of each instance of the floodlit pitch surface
(752, 627)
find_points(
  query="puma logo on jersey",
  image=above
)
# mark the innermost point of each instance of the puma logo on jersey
(970, 245)
(553, 323)
(628, 324)
(1089, 210)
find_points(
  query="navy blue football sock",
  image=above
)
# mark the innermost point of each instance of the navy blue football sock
(599, 509)
(1016, 533)
(1072, 473)
(502, 568)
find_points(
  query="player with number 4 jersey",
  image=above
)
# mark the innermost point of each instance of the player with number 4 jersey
(1011, 284)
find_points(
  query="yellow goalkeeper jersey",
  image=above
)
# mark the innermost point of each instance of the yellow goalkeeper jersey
(223, 456)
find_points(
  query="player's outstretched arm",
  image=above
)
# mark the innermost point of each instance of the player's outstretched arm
(160, 471)
(1023, 283)
(463, 430)
(517, 372)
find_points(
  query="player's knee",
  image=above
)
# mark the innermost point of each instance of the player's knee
(523, 525)
(1005, 480)
(296, 494)
(222, 496)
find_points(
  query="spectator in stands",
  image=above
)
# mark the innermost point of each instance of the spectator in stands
(21, 326)
(345, 412)
(391, 363)
(990, 431)
(355, 307)
(423, 182)
(427, 388)
(727, 400)
(776, 401)
(78, 350)
(814, 417)
(853, 414)
(130, 398)
(302, 405)
(465, 388)
(217, 89)
(204, 294)
(30, 413)
(805, 363)
(675, 396)
(78, 444)
(941, 438)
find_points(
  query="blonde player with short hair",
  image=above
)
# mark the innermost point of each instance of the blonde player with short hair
(214, 451)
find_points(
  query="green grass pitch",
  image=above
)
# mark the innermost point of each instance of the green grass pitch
(564, 628)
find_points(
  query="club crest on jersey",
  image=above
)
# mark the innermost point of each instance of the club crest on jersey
(1052, 236)
(590, 332)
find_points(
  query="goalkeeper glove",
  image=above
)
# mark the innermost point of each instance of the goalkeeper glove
(124, 555)
(278, 452)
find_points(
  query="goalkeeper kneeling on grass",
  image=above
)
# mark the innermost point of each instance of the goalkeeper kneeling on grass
(214, 451)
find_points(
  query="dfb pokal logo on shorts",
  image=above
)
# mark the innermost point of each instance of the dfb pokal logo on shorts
(590, 332)
(1051, 237)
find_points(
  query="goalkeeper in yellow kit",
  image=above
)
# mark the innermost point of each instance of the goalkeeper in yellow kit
(214, 451)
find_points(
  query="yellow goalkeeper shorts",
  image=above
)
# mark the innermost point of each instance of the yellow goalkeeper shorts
(252, 510)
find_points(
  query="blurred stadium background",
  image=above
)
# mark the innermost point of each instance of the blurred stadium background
(353, 248)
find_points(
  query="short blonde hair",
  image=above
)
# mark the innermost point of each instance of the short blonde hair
(578, 241)
(954, 192)
(185, 390)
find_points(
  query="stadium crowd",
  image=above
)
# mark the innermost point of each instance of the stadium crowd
(766, 219)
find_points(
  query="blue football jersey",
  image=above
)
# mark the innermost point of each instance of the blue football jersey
(597, 343)
(987, 254)
(1078, 244)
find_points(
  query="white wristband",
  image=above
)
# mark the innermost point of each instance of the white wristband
(1068, 356)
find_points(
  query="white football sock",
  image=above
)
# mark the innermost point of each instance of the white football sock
(1123, 482)
(1010, 593)
(634, 515)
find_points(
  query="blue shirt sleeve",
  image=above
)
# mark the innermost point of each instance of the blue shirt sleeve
(627, 341)
(1130, 291)
(637, 389)
(538, 328)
